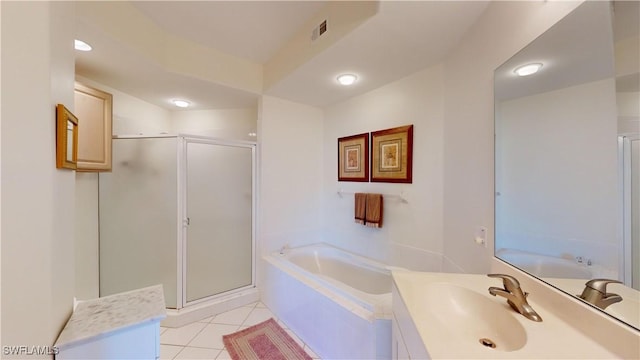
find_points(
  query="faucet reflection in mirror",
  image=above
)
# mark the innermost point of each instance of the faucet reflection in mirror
(595, 292)
(558, 164)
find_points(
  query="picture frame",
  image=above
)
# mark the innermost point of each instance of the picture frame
(353, 158)
(392, 155)
(66, 138)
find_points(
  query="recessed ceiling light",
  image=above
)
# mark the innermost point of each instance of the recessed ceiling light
(528, 69)
(181, 103)
(347, 79)
(81, 45)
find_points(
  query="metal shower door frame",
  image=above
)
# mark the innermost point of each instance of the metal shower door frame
(183, 141)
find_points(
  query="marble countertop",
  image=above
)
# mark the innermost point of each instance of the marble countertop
(95, 317)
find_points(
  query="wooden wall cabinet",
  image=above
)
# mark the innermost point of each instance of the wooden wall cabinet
(93, 108)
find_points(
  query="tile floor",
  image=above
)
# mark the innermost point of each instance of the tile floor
(203, 339)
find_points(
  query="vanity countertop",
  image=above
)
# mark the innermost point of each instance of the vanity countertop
(105, 315)
(551, 338)
(628, 310)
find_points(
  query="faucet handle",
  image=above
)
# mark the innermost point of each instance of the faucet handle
(601, 284)
(510, 283)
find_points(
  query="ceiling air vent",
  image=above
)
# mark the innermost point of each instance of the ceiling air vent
(323, 28)
(319, 30)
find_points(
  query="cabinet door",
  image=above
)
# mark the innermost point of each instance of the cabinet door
(93, 108)
(399, 349)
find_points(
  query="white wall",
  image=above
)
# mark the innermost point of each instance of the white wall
(290, 173)
(87, 236)
(37, 199)
(558, 174)
(132, 116)
(221, 123)
(502, 30)
(627, 56)
(411, 235)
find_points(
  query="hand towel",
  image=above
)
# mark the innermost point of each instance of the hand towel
(360, 207)
(373, 212)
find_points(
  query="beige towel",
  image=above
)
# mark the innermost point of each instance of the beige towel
(360, 207)
(373, 215)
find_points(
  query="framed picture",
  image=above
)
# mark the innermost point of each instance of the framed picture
(66, 138)
(353, 158)
(392, 155)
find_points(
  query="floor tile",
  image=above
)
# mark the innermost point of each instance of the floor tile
(211, 336)
(224, 355)
(258, 315)
(233, 317)
(193, 353)
(181, 335)
(168, 352)
(260, 305)
(207, 320)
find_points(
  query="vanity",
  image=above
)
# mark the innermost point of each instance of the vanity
(119, 326)
(440, 315)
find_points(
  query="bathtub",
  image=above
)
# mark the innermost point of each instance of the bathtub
(337, 302)
(544, 266)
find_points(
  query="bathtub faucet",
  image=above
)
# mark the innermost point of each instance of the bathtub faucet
(283, 248)
(514, 295)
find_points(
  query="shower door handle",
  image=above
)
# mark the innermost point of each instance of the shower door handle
(187, 221)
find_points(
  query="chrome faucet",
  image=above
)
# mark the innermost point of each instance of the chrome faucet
(514, 295)
(595, 292)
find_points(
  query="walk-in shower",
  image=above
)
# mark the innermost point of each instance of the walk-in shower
(179, 211)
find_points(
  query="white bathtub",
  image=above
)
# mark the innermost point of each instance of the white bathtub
(339, 303)
(544, 266)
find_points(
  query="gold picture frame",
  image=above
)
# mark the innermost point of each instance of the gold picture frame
(392, 155)
(353, 158)
(66, 138)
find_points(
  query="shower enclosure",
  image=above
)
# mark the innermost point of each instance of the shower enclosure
(178, 211)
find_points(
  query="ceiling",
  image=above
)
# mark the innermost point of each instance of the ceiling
(254, 30)
(401, 38)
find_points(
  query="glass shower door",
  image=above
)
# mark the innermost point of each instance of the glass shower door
(219, 218)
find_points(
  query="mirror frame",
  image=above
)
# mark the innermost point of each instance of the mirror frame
(63, 117)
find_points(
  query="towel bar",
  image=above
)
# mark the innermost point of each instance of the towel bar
(393, 196)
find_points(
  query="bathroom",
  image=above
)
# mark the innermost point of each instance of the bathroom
(450, 199)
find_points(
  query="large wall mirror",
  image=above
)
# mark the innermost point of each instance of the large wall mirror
(567, 153)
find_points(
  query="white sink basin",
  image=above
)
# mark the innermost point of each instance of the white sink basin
(471, 318)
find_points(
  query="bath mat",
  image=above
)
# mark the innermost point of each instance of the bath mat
(264, 341)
